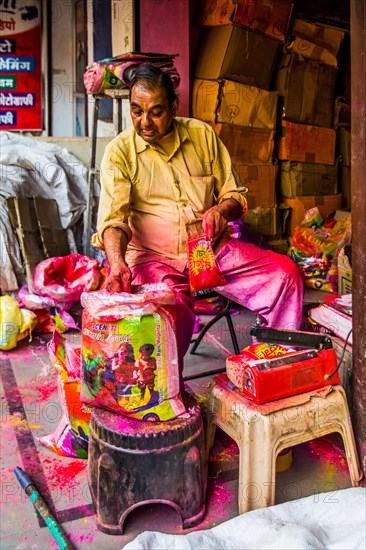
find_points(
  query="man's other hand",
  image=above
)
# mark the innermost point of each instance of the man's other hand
(119, 278)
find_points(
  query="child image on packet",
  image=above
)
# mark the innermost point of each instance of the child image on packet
(121, 380)
(123, 365)
(146, 370)
(140, 393)
(114, 375)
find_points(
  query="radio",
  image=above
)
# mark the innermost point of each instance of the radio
(293, 372)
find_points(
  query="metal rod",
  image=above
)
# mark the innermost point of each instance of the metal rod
(91, 179)
(43, 510)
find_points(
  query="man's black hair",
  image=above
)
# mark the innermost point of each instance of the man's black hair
(153, 78)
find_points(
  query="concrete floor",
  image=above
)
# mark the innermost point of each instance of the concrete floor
(30, 408)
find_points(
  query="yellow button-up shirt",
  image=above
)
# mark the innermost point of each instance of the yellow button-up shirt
(152, 195)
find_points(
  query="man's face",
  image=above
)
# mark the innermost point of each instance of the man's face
(151, 114)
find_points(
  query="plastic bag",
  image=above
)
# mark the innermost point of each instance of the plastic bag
(98, 78)
(54, 319)
(49, 317)
(72, 434)
(203, 271)
(38, 302)
(15, 323)
(315, 247)
(64, 278)
(129, 353)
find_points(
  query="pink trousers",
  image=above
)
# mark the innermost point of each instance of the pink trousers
(263, 281)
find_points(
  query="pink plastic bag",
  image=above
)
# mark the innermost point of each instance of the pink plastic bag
(64, 278)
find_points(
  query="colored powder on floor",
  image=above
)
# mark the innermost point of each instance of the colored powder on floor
(228, 454)
(18, 421)
(219, 502)
(62, 472)
(329, 452)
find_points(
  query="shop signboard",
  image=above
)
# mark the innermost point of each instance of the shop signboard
(20, 65)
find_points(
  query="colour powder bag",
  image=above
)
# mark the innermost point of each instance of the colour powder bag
(72, 434)
(129, 353)
(203, 271)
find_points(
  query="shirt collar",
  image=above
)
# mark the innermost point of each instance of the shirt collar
(180, 133)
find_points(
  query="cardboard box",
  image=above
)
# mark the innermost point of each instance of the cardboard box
(306, 143)
(344, 271)
(234, 103)
(247, 145)
(307, 89)
(270, 17)
(315, 41)
(299, 205)
(260, 179)
(237, 54)
(302, 178)
(245, 105)
(211, 13)
(265, 221)
(205, 99)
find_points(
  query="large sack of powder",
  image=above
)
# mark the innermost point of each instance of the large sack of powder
(129, 353)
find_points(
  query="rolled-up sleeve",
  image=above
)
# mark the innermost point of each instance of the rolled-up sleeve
(114, 202)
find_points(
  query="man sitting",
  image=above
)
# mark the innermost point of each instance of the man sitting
(157, 179)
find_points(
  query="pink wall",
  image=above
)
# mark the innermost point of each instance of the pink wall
(164, 28)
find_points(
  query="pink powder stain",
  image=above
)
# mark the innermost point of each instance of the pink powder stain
(38, 389)
(329, 453)
(219, 503)
(89, 537)
(47, 390)
(63, 473)
(52, 543)
(80, 540)
(86, 538)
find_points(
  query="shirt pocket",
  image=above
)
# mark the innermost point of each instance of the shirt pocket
(200, 192)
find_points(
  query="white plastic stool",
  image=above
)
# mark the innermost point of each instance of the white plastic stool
(263, 431)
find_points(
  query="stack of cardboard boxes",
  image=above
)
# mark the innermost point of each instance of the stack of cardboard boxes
(305, 79)
(240, 45)
(267, 85)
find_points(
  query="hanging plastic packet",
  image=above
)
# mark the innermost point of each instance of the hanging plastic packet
(203, 270)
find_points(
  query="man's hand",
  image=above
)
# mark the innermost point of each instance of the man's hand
(215, 219)
(213, 223)
(119, 278)
(115, 244)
